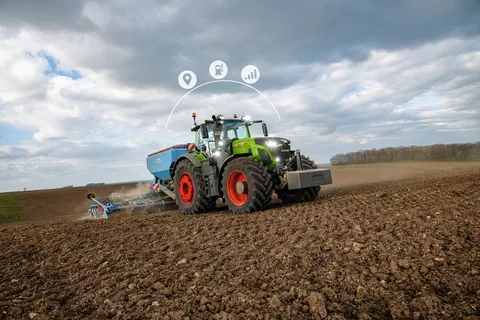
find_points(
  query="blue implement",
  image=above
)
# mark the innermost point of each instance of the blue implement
(161, 193)
(103, 207)
(159, 163)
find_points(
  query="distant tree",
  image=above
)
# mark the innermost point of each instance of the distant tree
(437, 152)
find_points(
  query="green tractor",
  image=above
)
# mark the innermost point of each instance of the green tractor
(226, 162)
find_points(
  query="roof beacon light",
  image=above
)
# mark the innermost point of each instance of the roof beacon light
(235, 116)
(194, 115)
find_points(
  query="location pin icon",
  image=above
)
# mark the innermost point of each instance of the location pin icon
(187, 78)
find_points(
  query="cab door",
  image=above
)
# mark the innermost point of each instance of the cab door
(207, 144)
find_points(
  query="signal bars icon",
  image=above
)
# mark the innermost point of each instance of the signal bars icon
(250, 74)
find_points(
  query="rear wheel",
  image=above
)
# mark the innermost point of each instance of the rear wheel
(246, 185)
(300, 195)
(190, 189)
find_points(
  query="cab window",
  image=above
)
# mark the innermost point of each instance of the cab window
(209, 142)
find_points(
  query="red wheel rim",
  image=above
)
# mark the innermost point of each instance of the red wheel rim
(237, 198)
(186, 188)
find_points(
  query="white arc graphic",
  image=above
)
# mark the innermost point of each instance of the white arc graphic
(214, 81)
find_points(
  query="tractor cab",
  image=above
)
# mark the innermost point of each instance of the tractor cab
(218, 134)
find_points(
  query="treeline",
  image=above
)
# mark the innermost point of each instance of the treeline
(437, 152)
(78, 186)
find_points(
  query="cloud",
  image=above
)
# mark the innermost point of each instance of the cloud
(96, 85)
(126, 39)
(47, 15)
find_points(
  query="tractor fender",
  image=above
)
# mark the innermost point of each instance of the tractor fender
(187, 156)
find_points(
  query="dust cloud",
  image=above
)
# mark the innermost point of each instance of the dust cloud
(138, 190)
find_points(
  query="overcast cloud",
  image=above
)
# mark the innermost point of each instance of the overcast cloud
(86, 87)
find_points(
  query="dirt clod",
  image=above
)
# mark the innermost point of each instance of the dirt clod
(275, 302)
(317, 304)
(403, 264)
(329, 292)
(393, 267)
(158, 286)
(357, 247)
(361, 292)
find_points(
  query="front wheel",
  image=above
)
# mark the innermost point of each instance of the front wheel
(300, 195)
(247, 186)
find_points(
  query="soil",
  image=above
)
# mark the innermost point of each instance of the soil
(401, 249)
(72, 203)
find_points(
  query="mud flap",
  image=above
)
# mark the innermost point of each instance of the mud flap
(308, 178)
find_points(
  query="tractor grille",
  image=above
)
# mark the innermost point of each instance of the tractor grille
(279, 148)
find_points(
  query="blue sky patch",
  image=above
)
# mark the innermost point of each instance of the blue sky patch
(9, 135)
(53, 67)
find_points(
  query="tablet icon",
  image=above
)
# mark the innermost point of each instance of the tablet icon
(218, 69)
(187, 79)
(250, 74)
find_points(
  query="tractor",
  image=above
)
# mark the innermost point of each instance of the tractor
(226, 162)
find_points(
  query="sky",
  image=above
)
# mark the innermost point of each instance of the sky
(86, 87)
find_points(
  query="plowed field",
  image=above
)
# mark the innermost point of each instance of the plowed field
(404, 247)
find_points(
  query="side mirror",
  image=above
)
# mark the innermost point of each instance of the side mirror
(204, 131)
(264, 129)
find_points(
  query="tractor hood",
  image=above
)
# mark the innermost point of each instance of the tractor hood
(272, 142)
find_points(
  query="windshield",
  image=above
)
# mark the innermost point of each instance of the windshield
(235, 129)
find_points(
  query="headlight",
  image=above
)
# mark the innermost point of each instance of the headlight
(277, 159)
(272, 144)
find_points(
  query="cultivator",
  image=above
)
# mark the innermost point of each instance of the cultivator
(155, 199)
(224, 162)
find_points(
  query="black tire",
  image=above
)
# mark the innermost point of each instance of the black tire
(300, 195)
(212, 204)
(258, 183)
(199, 202)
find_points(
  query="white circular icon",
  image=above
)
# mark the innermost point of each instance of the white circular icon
(187, 79)
(250, 74)
(218, 69)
